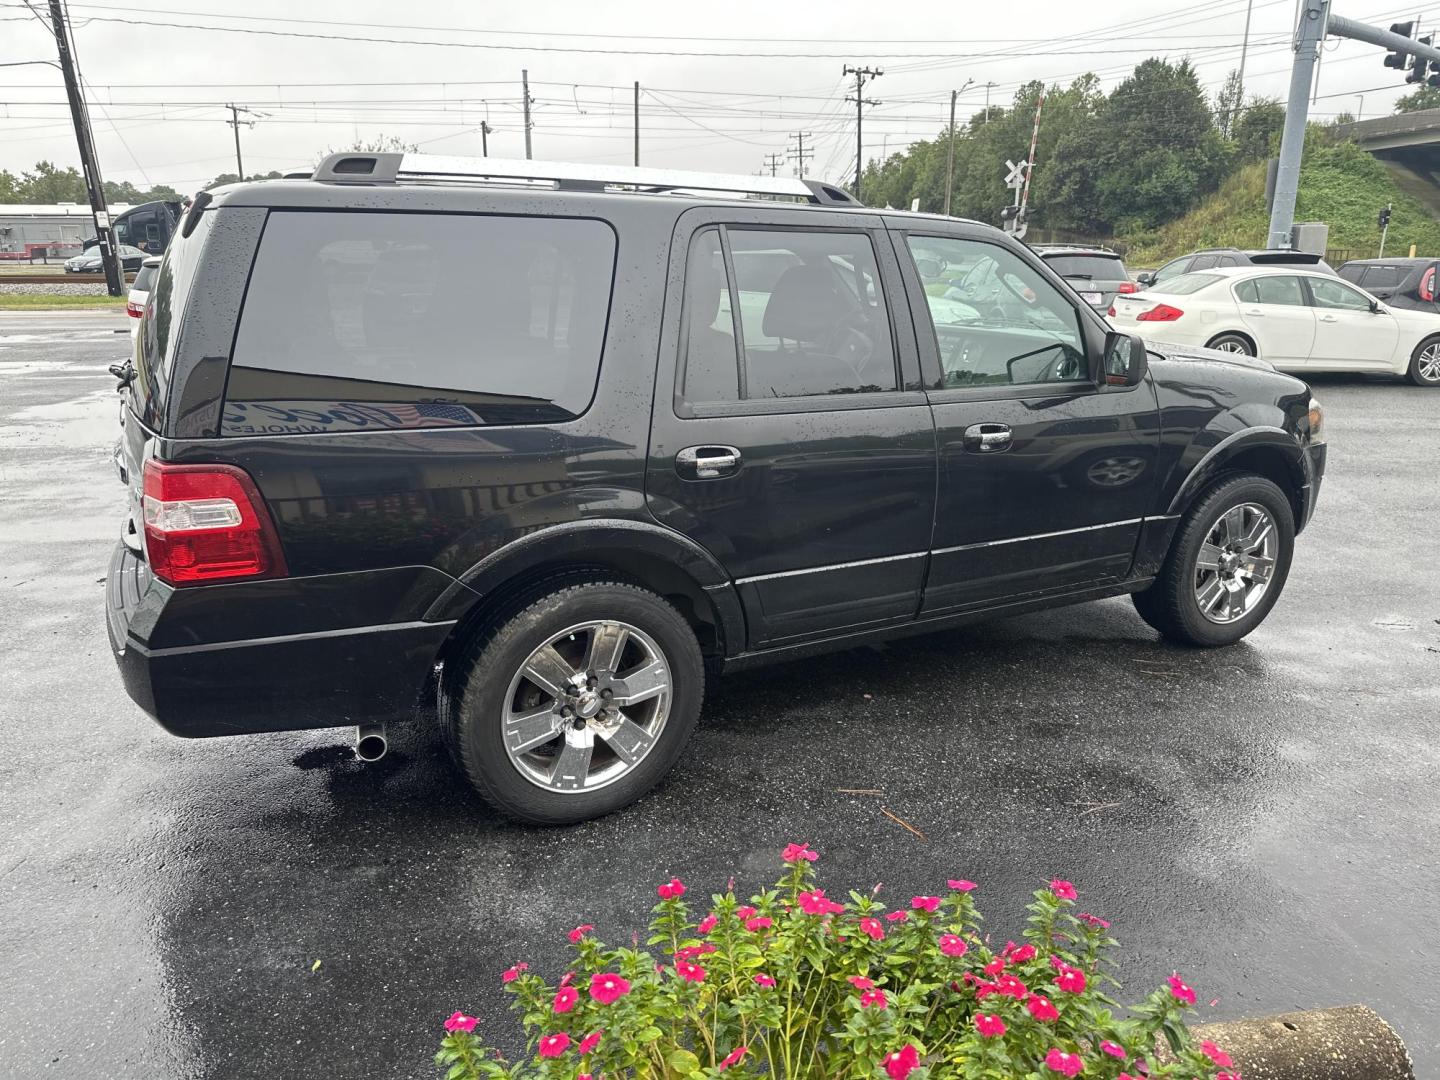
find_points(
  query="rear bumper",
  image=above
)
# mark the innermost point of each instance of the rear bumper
(331, 677)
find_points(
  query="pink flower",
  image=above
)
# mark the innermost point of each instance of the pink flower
(589, 1042)
(760, 922)
(764, 980)
(1095, 921)
(567, 978)
(554, 1045)
(706, 924)
(511, 974)
(745, 912)
(460, 1022)
(1227, 1076)
(984, 990)
(584, 1076)
(733, 1057)
(816, 903)
(1070, 979)
(691, 952)
(902, 1062)
(962, 885)
(794, 853)
(1063, 889)
(989, 1026)
(951, 945)
(925, 903)
(690, 972)
(860, 982)
(1215, 1054)
(897, 916)
(1023, 955)
(579, 932)
(671, 890)
(565, 999)
(606, 988)
(1010, 986)
(1112, 1049)
(1059, 1061)
(1041, 1008)
(874, 997)
(1181, 991)
(995, 967)
(873, 928)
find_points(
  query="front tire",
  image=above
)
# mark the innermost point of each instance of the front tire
(1232, 343)
(1226, 566)
(1425, 363)
(578, 704)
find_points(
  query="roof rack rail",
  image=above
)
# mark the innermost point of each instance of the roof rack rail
(565, 176)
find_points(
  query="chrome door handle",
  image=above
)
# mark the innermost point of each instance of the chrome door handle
(987, 438)
(1256, 312)
(707, 462)
(1328, 318)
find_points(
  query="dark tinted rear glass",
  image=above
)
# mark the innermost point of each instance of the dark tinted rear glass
(1284, 258)
(1096, 267)
(144, 278)
(356, 321)
(1381, 277)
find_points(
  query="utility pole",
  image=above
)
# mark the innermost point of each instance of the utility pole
(484, 138)
(988, 85)
(637, 121)
(89, 162)
(950, 160)
(525, 93)
(861, 74)
(801, 154)
(772, 162)
(235, 122)
(1244, 48)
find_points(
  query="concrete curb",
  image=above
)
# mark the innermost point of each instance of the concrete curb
(1350, 1042)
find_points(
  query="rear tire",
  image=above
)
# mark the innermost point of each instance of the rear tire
(1425, 363)
(1227, 564)
(1235, 343)
(537, 718)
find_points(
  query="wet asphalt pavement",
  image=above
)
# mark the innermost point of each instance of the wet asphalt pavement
(1263, 819)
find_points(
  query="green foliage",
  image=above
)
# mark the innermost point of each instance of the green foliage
(1422, 97)
(234, 178)
(48, 183)
(1257, 130)
(794, 984)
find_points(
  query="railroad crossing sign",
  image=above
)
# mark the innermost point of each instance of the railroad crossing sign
(1015, 178)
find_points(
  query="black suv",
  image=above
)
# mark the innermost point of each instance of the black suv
(1213, 257)
(1096, 273)
(1402, 283)
(544, 444)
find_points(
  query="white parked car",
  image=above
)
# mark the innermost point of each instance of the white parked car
(140, 292)
(1299, 320)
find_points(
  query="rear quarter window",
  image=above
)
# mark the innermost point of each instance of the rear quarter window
(357, 321)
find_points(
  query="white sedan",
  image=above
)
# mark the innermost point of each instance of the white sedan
(1298, 320)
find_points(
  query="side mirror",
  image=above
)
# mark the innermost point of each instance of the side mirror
(929, 268)
(1375, 308)
(1146, 278)
(1126, 360)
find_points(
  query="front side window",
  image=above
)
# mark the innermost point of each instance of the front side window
(1204, 262)
(999, 321)
(1332, 293)
(803, 315)
(1174, 268)
(359, 321)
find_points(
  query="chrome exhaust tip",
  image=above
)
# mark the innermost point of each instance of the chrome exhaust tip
(370, 742)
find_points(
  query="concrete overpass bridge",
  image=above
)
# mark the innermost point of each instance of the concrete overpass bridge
(1409, 145)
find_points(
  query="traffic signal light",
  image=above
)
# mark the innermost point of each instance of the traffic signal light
(1422, 63)
(1384, 218)
(1009, 213)
(1397, 58)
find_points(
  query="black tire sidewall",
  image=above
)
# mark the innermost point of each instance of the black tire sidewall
(478, 730)
(1413, 372)
(1214, 342)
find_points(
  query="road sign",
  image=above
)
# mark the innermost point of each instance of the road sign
(1015, 178)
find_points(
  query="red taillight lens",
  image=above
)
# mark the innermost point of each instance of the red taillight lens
(206, 523)
(1160, 313)
(1427, 285)
(133, 309)
(1111, 312)
(1128, 287)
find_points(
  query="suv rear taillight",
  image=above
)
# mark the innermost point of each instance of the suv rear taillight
(1427, 285)
(207, 523)
(1127, 287)
(1160, 313)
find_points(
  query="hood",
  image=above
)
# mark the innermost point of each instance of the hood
(1199, 352)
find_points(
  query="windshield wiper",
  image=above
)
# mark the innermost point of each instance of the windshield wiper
(1086, 277)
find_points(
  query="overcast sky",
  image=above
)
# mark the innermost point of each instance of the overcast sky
(159, 76)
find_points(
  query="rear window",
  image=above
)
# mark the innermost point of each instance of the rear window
(356, 321)
(1381, 277)
(144, 278)
(1186, 284)
(1087, 267)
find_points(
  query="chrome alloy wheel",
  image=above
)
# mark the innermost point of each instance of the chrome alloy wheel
(587, 706)
(1429, 363)
(1232, 346)
(1235, 563)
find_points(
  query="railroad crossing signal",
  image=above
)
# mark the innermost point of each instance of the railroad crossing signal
(1015, 178)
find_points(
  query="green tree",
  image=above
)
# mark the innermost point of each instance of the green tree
(1228, 104)
(1422, 97)
(1257, 130)
(9, 187)
(382, 144)
(234, 178)
(47, 183)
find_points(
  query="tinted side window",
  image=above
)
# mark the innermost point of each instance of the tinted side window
(1174, 268)
(356, 321)
(1205, 262)
(1380, 277)
(1332, 293)
(1279, 290)
(999, 321)
(710, 362)
(1247, 292)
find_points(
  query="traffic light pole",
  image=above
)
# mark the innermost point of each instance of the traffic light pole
(1385, 227)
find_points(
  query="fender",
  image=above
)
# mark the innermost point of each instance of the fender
(1227, 449)
(601, 541)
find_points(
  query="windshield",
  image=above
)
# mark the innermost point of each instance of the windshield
(1088, 267)
(1186, 284)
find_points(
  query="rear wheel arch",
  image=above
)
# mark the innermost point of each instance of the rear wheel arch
(1248, 338)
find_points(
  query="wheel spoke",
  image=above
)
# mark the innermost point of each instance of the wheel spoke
(1257, 534)
(524, 731)
(1235, 602)
(1211, 594)
(628, 739)
(607, 644)
(548, 670)
(572, 765)
(1258, 568)
(1234, 522)
(642, 684)
(1209, 558)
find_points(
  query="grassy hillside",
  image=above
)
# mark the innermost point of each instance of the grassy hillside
(1339, 184)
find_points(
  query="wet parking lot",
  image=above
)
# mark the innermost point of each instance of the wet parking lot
(1263, 818)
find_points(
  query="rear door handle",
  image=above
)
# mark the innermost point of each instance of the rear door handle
(987, 438)
(1328, 318)
(707, 462)
(1255, 313)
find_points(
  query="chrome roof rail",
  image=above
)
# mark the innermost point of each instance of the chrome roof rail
(566, 176)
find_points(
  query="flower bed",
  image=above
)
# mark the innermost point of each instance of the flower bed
(796, 984)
